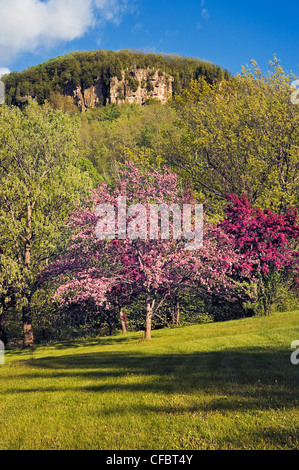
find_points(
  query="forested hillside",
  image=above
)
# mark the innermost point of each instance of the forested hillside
(84, 69)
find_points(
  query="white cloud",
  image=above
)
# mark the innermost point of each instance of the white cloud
(112, 10)
(3, 71)
(31, 25)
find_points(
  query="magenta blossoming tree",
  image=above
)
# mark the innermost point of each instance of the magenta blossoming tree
(110, 270)
(267, 243)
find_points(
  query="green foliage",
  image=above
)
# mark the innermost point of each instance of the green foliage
(116, 133)
(280, 294)
(84, 68)
(149, 86)
(86, 167)
(40, 182)
(61, 102)
(120, 93)
(238, 136)
(61, 324)
(132, 81)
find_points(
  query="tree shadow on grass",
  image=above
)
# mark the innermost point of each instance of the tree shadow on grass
(235, 378)
(99, 341)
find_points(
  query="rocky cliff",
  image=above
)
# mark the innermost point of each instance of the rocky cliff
(133, 86)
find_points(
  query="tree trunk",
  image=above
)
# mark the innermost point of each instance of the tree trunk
(173, 313)
(28, 338)
(177, 312)
(148, 320)
(3, 334)
(123, 320)
(175, 309)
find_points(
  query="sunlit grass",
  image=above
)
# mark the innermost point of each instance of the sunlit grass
(214, 386)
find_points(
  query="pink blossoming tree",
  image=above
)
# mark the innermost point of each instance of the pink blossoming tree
(267, 243)
(110, 271)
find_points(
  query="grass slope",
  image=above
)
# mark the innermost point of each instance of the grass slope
(214, 386)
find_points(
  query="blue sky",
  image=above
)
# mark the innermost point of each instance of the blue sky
(228, 33)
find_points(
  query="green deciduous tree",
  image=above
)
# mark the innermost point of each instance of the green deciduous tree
(239, 136)
(40, 182)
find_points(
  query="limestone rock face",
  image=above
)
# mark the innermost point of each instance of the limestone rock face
(135, 86)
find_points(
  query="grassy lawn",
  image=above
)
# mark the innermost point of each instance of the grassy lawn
(215, 386)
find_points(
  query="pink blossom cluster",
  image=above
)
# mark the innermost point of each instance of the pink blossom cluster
(106, 270)
(264, 239)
